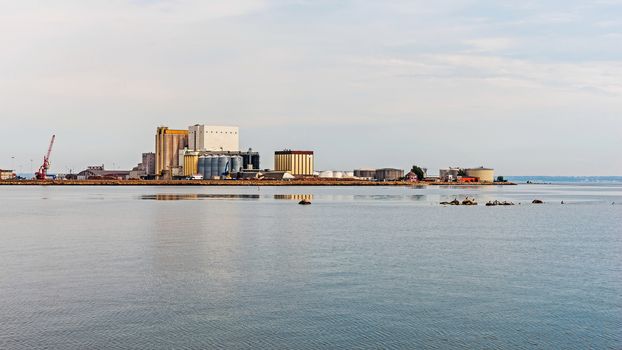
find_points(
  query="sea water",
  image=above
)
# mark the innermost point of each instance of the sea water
(362, 267)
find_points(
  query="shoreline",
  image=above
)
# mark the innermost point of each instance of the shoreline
(300, 182)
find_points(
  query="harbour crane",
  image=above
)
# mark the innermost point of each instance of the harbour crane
(43, 169)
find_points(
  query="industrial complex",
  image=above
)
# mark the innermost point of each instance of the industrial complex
(211, 152)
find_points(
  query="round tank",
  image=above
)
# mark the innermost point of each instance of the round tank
(348, 174)
(208, 167)
(326, 174)
(482, 174)
(222, 165)
(255, 161)
(213, 166)
(338, 174)
(201, 166)
(236, 164)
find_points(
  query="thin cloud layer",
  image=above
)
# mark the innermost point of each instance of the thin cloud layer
(361, 82)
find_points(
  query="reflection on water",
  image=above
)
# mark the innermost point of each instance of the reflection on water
(390, 197)
(196, 196)
(297, 197)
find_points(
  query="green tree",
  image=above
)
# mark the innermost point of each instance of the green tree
(418, 171)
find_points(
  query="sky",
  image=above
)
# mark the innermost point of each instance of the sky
(525, 87)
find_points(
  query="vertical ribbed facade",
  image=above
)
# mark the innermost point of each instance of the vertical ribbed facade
(191, 164)
(168, 144)
(296, 162)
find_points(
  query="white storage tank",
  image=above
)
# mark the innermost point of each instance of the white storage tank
(326, 174)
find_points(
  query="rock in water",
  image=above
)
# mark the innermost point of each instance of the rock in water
(469, 202)
(537, 201)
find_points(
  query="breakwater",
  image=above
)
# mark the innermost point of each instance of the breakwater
(295, 182)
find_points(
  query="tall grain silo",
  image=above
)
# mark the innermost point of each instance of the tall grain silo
(236, 164)
(254, 160)
(214, 167)
(222, 165)
(201, 166)
(207, 170)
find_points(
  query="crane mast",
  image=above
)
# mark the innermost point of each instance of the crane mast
(43, 169)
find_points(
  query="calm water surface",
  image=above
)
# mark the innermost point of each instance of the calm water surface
(173, 267)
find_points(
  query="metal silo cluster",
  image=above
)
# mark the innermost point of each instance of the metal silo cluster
(219, 165)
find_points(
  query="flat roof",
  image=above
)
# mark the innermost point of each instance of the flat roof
(480, 168)
(289, 151)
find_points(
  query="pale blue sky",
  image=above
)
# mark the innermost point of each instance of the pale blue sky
(526, 87)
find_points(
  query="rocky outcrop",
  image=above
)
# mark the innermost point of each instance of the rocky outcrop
(469, 201)
(496, 202)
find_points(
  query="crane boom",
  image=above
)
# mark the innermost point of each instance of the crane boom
(43, 169)
(47, 156)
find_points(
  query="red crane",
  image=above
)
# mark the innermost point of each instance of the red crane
(43, 169)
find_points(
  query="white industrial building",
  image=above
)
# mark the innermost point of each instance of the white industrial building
(336, 174)
(214, 138)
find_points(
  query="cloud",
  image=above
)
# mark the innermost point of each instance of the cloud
(383, 68)
(603, 77)
(490, 44)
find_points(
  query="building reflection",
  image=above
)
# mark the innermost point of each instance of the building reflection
(196, 196)
(298, 197)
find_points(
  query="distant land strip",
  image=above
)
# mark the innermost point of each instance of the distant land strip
(295, 182)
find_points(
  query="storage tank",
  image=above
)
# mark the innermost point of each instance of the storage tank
(365, 173)
(207, 170)
(255, 161)
(482, 174)
(213, 167)
(348, 174)
(338, 174)
(326, 174)
(222, 165)
(201, 166)
(236, 164)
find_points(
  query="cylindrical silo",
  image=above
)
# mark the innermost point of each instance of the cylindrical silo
(214, 167)
(207, 167)
(236, 164)
(255, 161)
(201, 166)
(222, 165)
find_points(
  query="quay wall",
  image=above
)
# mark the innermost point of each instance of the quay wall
(254, 182)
